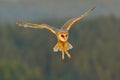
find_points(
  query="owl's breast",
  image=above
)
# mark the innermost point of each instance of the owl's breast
(62, 45)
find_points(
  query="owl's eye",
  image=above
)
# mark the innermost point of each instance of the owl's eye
(62, 35)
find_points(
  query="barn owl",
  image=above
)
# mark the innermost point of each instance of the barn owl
(62, 34)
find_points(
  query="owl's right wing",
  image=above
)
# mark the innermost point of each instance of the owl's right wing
(41, 26)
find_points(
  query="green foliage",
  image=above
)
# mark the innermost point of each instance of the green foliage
(18, 71)
(27, 54)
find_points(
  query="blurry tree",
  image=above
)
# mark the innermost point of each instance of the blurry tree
(27, 54)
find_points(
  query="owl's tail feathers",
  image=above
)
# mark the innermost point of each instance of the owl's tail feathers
(69, 46)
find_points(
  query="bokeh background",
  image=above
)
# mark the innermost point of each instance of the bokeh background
(27, 54)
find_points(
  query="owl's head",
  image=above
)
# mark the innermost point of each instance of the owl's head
(62, 36)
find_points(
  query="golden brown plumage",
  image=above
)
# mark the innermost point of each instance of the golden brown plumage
(62, 34)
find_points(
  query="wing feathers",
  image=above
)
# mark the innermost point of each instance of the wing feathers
(41, 26)
(70, 22)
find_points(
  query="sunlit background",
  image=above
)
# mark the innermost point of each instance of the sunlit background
(27, 54)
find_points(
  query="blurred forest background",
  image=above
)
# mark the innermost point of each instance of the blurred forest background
(27, 54)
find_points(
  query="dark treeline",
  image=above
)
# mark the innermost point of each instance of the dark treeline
(27, 54)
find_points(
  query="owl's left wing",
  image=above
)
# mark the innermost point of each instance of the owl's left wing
(70, 22)
(41, 26)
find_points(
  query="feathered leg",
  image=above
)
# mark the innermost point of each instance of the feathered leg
(63, 55)
(67, 53)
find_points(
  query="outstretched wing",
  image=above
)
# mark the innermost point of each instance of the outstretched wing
(41, 26)
(70, 22)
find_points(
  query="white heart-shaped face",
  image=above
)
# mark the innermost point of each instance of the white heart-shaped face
(63, 36)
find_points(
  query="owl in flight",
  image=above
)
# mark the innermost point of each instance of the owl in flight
(62, 34)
